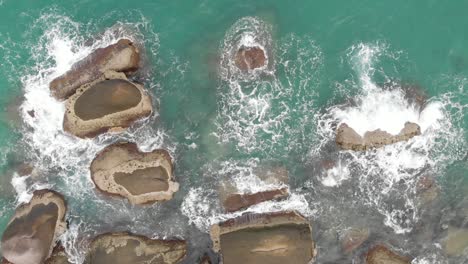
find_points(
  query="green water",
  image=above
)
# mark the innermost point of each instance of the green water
(424, 43)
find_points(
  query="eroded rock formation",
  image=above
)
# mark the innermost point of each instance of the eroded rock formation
(348, 138)
(141, 177)
(125, 248)
(382, 255)
(110, 103)
(250, 58)
(33, 231)
(122, 56)
(238, 201)
(58, 256)
(271, 238)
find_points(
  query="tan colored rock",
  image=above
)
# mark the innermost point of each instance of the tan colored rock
(456, 242)
(348, 139)
(353, 239)
(141, 177)
(111, 103)
(34, 229)
(125, 248)
(250, 58)
(382, 255)
(58, 256)
(122, 56)
(271, 238)
(238, 201)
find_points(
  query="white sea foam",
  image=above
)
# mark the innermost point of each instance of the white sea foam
(336, 175)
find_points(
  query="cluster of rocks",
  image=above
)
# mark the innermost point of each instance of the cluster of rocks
(347, 138)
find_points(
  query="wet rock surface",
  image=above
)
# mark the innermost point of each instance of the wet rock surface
(237, 201)
(141, 177)
(110, 103)
(347, 138)
(273, 238)
(382, 255)
(32, 232)
(250, 58)
(456, 242)
(353, 239)
(59, 256)
(122, 56)
(125, 248)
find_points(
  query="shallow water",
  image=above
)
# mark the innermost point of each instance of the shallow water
(328, 63)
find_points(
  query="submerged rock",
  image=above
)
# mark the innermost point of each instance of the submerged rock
(271, 238)
(58, 256)
(382, 255)
(348, 138)
(141, 177)
(122, 56)
(237, 201)
(456, 242)
(32, 232)
(125, 248)
(110, 103)
(354, 238)
(249, 58)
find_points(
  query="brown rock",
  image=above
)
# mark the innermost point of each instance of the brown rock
(122, 56)
(237, 201)
(141, 177)
(205, 260)
(109, 103)
(272, 238)
(347, 138)
(58, 256)
(249, 58)
(33, 231)
(125, 248)
(381, 255)
(354, 238)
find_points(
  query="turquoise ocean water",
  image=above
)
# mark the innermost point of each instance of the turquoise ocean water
(329, 61)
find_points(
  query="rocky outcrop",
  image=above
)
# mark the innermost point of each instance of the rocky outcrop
(141, 177)
(349, 139)
(250, 58)
(58, 256)
(110, 103)
(125, 248)
(354, 238)
(456, 242)
(237, 201)
(33, 231)
(271, 238)
(122, 56)
(382, 255)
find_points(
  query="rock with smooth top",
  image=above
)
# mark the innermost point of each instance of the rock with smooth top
(141, 177)
(34, 229)
(122, 56)
(239, 201)
(382, 255)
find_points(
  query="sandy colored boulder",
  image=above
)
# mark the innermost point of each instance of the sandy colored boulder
(382, 255)
(271, 238)
(250, 58)
(141, 177)
(456, 242)
(239, 201)
(122, 56)
(349, 139)
(111, 103)
(125, 248)
(33, 231)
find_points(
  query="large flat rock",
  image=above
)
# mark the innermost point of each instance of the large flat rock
(271, 238)
(347, 138)
(126, 248)
(239, 201)
(32, 232)
(382, 255)
(141, 177)
(111, 103)
(122, 56)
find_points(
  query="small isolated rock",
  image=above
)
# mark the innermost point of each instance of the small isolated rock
(237, 201)
(33, 231)
(141, 177)
(205, 260)
(109, 103)
(122, 56)
(382, 255)
(347, 138)
(354, 238)
(125, 248)
(249, 58)
(271, 238)
(456, 242)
